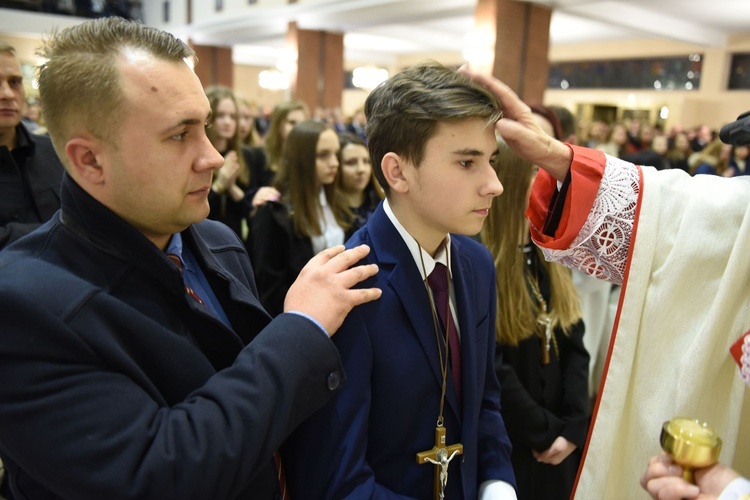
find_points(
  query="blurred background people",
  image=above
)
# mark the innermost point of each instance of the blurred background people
(232, 180)
(309, 217)
(284, 117)
(30, 171)
(356, 181)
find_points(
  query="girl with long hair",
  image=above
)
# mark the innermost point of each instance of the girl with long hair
(232, 180)
(356, 181)
(309, 217)
(540, 361)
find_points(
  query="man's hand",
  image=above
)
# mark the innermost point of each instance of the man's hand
(663, 480)
(521, 132)
(556, 453)
(323, 288)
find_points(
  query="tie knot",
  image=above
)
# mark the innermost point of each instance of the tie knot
(175, 260)
(438, 278)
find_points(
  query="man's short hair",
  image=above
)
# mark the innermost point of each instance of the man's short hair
(403, 113)
(79, 83)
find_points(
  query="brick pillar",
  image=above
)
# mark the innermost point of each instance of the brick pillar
(215, 66)
(521, 41)
(319, 81)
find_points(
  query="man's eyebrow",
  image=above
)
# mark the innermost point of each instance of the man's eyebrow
(188, 121)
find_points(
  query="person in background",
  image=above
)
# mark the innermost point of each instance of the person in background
(32, 117)
(249, 135)
(712, 160)
(30, 171)
(356, 181)
(260, 189)
(284, 117)
(309, 217)
(231, 181)
(541, 361)
(738, 160)
(136, 357)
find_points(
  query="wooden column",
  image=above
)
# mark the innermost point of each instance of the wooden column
(521, 44)
(319, 81)
(215, 66)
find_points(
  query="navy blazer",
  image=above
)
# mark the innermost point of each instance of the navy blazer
(117, 385)
(364, 442)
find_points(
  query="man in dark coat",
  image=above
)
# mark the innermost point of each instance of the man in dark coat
(137, 360)
(30, 172)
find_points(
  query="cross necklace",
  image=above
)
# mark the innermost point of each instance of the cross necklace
(441, 454)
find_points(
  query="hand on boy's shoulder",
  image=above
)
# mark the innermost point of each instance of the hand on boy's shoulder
(324, 288)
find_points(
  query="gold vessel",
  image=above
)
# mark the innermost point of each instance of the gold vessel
(691, 443)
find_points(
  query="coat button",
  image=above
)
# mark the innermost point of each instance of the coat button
(334, 380)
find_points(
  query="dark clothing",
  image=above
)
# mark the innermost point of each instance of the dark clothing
(542, 402)
(119, 385)
(363, 443)
(364, 211)
(278, 254)
(30, 177)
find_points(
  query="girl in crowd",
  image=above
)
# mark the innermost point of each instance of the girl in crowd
(309, 217)
(249, 135)
(541, 361)
(283, 118)
(232, 180)
(712, 160)
(356, 181)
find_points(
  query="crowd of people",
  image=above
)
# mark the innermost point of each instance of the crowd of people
(173, 272)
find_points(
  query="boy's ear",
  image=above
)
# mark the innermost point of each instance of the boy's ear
(393, 170)
(83, 155)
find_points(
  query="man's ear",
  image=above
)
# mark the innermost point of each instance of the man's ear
(393, 170)
(83, 154)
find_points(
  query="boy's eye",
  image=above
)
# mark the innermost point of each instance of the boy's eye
(180, 136)
(466, 163)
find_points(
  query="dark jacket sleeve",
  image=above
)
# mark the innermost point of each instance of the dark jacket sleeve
(575, 370)
(271, 249)
(112, 438)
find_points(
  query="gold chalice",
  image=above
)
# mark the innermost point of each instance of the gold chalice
(691, 443)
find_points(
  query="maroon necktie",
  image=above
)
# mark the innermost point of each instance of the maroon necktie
(178, 262)
(438, 281)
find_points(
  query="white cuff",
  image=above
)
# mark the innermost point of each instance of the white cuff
(497, 490)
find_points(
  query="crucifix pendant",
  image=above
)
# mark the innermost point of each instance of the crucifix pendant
(546, 322)
(440, 456)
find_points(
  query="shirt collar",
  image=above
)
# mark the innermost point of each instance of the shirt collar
(442, 255)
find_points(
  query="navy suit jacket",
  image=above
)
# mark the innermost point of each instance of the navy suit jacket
(364, 442)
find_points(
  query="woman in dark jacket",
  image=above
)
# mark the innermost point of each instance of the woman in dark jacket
(541, 361)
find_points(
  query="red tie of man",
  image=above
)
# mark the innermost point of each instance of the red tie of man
(276, 457)
(438, 281)
(178, 262)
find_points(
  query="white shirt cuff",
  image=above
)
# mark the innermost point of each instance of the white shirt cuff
(735, 489)
(497, 490)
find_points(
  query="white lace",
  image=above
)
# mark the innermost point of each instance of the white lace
(601, 247)
(745, 360)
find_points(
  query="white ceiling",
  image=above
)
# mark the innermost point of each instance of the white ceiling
(377, 31)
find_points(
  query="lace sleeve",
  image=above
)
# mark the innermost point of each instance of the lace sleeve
(601, 248)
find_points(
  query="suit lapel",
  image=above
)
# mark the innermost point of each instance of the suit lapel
(465, 290)
(405, 282)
